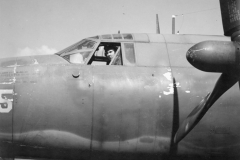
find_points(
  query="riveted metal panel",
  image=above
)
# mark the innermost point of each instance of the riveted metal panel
(55, 109)
(156, 38)
(132, 109)
(151, 54)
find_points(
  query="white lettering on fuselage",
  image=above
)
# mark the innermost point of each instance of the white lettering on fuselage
(5, 103)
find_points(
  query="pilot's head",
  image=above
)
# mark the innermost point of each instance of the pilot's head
(110, 52)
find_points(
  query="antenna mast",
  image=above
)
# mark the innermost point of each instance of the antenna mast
(157, 25)
(173, 24)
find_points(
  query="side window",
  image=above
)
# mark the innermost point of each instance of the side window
(107, 54)
(117, 60)
(129, 54)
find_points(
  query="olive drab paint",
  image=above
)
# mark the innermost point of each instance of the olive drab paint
(80, 104)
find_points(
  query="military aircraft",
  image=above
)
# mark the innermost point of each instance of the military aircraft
(81, 104)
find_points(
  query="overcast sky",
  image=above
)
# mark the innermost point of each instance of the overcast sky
(46, 26)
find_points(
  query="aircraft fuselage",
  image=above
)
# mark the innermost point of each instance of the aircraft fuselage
(51, 108)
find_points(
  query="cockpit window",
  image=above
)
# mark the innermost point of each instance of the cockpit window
(117, 59)
(78, 57)
(95, 37)
(107, 36)
(117, 36)
(86, 44)
(130, 53)
(127, 36)
(79, 52)
(107, 54)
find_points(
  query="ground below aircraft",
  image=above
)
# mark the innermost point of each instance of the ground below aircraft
(79, 104)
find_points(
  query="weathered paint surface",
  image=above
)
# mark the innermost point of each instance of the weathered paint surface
(63, 110)
(55, 109)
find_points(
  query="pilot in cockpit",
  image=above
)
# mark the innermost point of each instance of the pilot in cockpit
(110, 52)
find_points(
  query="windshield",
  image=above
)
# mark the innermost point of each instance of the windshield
(79, 52)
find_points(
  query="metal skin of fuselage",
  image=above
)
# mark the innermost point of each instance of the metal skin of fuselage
(113, 112)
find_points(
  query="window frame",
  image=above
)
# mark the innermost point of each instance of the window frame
(119, 45)
(115, 56)
(124, 59)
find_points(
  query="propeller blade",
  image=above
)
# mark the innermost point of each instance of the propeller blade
(224, 82)
(175, 124)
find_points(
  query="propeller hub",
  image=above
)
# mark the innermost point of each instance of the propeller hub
(215, 56)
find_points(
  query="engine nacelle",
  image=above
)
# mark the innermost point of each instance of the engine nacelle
(215, 56)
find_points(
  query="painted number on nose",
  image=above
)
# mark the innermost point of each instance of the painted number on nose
(5, 100)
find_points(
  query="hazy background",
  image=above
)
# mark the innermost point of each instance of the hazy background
(46, 26)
